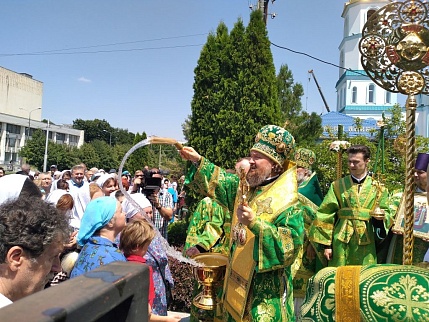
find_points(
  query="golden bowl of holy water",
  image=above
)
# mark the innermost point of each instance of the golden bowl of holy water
(210, 275)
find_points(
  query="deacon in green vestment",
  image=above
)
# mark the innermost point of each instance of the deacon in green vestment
(343, 223)
(208, 231)
(267, 228)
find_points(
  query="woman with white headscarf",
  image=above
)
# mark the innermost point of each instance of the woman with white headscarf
(63, 202)
(156, 256)
(13, 186)
(107, 183)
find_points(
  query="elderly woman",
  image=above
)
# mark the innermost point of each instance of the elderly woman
(156, 257)
(102, 221)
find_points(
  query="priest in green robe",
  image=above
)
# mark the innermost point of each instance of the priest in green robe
(266, 230)
(344, 224)
(209, 229)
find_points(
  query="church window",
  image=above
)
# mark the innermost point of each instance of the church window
(371, 93)
(354, 94)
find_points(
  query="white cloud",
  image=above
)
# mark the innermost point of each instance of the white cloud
(84, 80)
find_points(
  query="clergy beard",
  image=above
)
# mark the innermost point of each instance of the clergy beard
(300, 177)
(257, 176)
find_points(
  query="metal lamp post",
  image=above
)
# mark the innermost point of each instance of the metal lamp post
(395, 55)
(29, 117)
(45, 157)
(110, 136)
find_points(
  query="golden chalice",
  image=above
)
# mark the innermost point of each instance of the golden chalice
(210, 275)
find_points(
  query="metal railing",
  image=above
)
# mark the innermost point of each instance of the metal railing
(112, 293)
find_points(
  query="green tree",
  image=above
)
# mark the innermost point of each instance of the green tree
(34, 149)
(306, 128)
(186, 127)
(290, 93)
(89, 155)
(60, 154)
(394, 124)
(105, 155)
(119, 151)
(94, 129)
(235, 92)
(208, 92)
(139, 158)
(102, 130)
(63, 155)
(121, 136)
(358, 124)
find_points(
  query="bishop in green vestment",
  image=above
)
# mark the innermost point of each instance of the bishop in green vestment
(343, 223)
(266, 230)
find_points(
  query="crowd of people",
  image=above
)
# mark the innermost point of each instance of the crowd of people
(268, 215)
(88, 216)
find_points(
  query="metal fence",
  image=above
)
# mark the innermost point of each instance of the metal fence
(112, 293)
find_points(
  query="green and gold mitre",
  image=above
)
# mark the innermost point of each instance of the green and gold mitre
(274, 142)
(304, 158)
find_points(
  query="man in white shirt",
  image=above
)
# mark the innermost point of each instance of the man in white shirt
(79, 189)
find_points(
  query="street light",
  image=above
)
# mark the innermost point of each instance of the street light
(45, 157)
(110, 136)
(29, 117)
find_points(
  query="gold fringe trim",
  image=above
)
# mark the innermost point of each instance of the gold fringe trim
(347, 307)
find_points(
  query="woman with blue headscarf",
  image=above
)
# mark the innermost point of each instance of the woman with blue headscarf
(102, 221)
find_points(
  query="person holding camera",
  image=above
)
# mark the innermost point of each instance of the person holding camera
(161, 200)
(137, 182)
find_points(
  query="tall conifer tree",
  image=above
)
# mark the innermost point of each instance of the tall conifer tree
(235, 92)
(208, 91)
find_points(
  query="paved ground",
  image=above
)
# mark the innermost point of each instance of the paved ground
(185, 316)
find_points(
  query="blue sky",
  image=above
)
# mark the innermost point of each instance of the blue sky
(141, 77)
